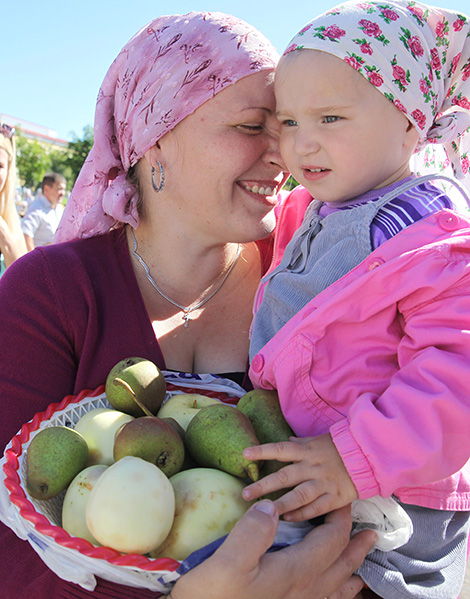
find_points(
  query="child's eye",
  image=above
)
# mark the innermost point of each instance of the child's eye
(289, 123)
(331, 119)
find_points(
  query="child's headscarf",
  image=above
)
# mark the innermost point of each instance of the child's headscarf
(163, 74)
(418, 56)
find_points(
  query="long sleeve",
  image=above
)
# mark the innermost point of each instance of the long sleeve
(58, 335)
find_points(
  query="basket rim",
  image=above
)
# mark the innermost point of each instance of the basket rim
(41, 523)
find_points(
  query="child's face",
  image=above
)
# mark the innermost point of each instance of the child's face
(340, 136)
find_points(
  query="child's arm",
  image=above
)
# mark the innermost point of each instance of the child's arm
(317, 472)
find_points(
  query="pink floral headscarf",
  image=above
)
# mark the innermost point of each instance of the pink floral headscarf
(418, 56)
(163, 74)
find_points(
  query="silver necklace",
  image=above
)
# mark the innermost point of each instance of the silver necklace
(185, 309)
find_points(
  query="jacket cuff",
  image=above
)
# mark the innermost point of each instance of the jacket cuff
(354, 459)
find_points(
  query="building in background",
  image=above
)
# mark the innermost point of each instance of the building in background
(43, 135)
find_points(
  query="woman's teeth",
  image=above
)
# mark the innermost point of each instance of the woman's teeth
(264, 191)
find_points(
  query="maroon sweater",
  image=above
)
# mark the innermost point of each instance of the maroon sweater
(68, 314)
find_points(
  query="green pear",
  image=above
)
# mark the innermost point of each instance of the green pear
(262, 408)
(153, 440)
(264, 412)
(136, 386)
(53, 459)
(216, 438)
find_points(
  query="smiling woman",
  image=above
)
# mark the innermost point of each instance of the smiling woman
(165, 238)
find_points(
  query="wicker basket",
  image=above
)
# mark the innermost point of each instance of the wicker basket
(42, 519)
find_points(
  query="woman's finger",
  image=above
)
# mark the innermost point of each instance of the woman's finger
(259, 524)
(349, 590)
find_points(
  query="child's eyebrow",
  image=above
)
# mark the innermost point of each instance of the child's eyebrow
(329, 109)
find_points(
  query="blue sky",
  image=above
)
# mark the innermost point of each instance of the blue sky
(54, 54)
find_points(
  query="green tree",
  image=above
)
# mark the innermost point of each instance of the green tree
(77, 152)
(32, 159)
(290, 184)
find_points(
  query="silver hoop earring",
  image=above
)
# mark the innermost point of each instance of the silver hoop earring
(162, 177)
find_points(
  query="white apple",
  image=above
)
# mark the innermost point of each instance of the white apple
(75, 502)
(184, 406)
(208, 504)
(131, 507)
(99, 427)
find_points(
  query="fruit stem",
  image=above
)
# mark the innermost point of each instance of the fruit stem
(144, 409)
(252, 471)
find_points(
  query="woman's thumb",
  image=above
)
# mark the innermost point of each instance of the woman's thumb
(255, 532)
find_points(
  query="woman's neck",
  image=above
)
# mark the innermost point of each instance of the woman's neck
(182, 267)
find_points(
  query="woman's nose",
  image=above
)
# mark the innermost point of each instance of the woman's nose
(272, 153)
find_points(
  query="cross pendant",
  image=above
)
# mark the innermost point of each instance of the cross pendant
(186, 317)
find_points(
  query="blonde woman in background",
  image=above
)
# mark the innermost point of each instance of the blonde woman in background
(12, 243)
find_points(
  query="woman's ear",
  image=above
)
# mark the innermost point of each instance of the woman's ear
(164, 151)
(154, 154)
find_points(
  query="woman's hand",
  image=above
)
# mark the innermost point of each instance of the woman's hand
(319, 566)
(316, 470)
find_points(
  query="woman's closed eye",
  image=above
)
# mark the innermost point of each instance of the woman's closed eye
(252, 129)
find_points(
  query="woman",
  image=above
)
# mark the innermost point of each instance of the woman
(12, 243)
(163, 265)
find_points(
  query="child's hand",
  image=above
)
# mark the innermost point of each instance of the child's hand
(318, 474)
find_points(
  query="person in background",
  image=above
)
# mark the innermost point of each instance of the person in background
(43, 215)
(159, 253)
(364, 323)
(12, 242)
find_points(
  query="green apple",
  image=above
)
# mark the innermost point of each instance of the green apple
(184, 406)
(208, 504)
(99, 428)
(131, 507)
(75, 502)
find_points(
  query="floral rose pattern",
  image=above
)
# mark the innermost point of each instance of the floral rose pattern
(331, 33)
(366, 48)
(417, 55)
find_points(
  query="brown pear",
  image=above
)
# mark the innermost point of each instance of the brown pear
(153, 440)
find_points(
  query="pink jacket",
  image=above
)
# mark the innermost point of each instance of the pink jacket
(381, 360)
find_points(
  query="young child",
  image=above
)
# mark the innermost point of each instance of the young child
(363, 322)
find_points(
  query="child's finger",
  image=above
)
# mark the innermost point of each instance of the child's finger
(273, 482)
(293, 512)
(286, 478)
(283, 451)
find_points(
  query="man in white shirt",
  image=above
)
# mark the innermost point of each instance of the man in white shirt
(42, 218)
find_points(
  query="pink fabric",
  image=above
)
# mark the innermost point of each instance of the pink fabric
(163, 74)
(379, 360)
(418, 56)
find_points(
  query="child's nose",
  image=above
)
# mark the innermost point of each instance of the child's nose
(306, 143)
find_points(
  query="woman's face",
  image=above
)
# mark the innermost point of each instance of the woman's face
(222, 163)
(4, 160)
